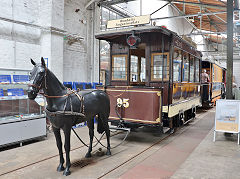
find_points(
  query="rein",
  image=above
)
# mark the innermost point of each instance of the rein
(47, 96)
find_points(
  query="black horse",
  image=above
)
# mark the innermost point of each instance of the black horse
(66, 108)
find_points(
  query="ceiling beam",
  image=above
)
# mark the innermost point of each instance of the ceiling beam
(113, 9)
(160, 8)
(189, 15)
(218, 23)
(90, 4)
(199, 4)
(180, 12)
(213, 23)
(217, 16)
(113, 2)
(202, 33)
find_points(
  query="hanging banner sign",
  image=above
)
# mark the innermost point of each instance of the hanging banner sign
(138, 20)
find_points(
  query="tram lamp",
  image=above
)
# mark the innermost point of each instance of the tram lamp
(133, 41)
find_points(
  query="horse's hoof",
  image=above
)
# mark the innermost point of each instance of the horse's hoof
(108, 152)
(88, 155)
(66, 172)
(60, 168)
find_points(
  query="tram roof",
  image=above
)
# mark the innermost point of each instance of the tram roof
(112, 34)
(214, 62)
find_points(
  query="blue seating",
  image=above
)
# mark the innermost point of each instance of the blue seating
(79, 85)
(15, 92)
(1, 92)
(68, 84)
(20, 78)
(5, 78)
(88, 85)
(94, 85)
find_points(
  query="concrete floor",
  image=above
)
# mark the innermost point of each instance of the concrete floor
(189, 153)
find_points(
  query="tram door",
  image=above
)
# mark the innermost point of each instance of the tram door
(138, 66)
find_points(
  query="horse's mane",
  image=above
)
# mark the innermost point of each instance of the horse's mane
(52, 76)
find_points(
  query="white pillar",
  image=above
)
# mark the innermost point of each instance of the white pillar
(52, 17)
(95, 57)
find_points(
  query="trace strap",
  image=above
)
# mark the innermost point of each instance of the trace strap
(99, 140)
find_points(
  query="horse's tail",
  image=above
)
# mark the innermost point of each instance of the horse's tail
(100, 127)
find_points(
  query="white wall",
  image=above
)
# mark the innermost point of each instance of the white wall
(79, 64)
(19, 43)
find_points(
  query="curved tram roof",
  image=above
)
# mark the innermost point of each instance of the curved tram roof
(110, 35)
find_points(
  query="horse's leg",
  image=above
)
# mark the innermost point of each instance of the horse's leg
(67, 133)
(59, 146)
(90, 124)
(104, 121)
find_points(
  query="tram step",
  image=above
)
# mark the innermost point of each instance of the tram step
(166, 129)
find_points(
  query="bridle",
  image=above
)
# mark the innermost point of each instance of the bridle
(39, 87)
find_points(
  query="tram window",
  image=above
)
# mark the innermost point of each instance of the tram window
(191, 69)
(134, 68)
(185, 66)
(160, 66)
(196, 70)
(119, 67)
(143, 69)
(177, 61)
(138, 68)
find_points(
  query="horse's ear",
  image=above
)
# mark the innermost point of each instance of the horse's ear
(33, 62)
(43, 62)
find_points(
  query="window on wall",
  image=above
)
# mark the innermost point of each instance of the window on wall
(119, 67)
(192, 60)
(177, 62)
(104, 18)
(160, 66)
(185, 66)
(107, 15)
(197, 70)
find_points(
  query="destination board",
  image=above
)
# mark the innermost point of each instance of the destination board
(131, 21)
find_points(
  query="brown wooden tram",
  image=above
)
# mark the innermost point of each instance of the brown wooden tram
(154, 77)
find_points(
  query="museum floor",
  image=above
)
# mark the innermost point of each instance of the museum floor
(188, 153)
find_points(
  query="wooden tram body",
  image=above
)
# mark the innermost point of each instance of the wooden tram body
(157, 82)
(217, 82)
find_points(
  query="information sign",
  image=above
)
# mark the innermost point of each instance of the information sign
(227, 117)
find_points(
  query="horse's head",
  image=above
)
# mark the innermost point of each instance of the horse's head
(37, 76)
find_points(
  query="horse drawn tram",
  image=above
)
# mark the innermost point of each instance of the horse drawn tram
(154, 77)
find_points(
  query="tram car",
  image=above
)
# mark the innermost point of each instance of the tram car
(154, 77)
(215, 88)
